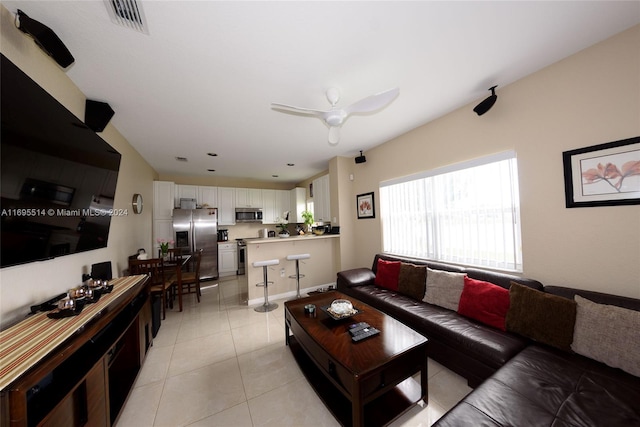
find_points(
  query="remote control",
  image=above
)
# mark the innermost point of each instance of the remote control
(365, 333)
(357, 327)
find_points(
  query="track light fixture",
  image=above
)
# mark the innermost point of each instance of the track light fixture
(486, 105)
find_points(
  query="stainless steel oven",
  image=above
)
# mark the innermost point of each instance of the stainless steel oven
(242, 256)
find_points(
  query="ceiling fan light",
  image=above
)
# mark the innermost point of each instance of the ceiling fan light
(334, 119)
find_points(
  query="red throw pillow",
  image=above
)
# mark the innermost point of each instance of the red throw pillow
(387, 273)
(484, 302)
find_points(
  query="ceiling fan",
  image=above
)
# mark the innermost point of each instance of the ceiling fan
(335, 117)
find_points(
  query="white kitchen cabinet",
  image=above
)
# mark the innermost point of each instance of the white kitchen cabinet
(248, 198)
(226, 206)
(274, 204)
(283, 204)
(269, 210)
(163, 199)
(185, 192)
(227, 259)
(321, 199)
(162, 229)
(297, 204)
(208, 196)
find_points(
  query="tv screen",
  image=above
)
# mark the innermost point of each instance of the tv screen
(58, 176)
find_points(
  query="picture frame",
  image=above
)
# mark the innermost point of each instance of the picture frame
(603, 175)
(365, 206)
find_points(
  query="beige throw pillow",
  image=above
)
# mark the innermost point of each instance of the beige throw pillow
(608, 334)
(444, 288)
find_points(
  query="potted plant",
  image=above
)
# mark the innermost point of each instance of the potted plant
(164, 246)
(308, 219)
(282, 224)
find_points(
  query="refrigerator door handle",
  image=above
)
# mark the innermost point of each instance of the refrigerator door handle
(193, 238)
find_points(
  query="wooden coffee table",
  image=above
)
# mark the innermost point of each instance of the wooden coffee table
(364, 383)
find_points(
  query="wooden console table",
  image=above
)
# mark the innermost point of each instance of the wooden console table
(76, 370)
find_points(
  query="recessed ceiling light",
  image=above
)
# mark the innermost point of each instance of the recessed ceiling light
(181, 159)
(212, 154)
(290, 164)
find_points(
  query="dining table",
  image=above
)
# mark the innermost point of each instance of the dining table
(175, 265)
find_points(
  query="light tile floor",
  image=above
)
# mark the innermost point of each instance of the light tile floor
(220, 363)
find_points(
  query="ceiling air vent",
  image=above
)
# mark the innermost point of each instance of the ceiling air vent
(127, 13)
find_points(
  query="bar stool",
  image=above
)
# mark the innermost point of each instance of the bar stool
(265, 264)
(297, 276)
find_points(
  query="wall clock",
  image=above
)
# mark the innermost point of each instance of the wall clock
(137, 203)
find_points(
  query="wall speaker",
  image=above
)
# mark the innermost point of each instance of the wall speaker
(486, 105)
(46, 39)
(97, 115)
(361, 158)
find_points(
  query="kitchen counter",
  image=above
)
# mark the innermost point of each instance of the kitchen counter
(292, 237)
(320, 270)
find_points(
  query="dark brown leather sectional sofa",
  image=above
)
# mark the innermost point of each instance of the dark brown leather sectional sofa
(517, 382)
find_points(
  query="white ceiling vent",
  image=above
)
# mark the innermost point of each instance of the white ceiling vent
(127, 13)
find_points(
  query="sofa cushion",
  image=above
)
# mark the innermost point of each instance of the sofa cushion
(489, 346)
(608, 334)
(546, 387)
(412, 280)
(484, 302)
(387, 274)
(444, 288)
(548, 319)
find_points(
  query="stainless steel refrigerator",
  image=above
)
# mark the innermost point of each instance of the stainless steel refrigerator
(196, 229)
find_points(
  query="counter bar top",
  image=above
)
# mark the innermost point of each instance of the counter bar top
(306, 237)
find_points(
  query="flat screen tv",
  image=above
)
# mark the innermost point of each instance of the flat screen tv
(58, 176)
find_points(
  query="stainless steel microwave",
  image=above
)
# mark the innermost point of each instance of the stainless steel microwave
(248, 215)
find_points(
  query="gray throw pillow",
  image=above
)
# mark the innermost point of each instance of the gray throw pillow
(608, 334)
(444, 288)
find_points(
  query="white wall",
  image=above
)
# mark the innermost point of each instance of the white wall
(590, 98)
(22, 286)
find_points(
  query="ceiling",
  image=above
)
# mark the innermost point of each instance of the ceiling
(203, 78)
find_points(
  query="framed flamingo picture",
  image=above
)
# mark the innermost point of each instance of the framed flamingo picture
(603, 175)
(365, 205)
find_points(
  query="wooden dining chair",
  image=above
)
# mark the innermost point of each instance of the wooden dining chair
(192, 278)
(157, 283)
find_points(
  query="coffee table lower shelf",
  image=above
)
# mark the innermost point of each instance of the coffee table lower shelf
(379, 412)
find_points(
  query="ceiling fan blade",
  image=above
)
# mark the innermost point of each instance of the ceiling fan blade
(373, 102)
(291, 109)
(334, 135)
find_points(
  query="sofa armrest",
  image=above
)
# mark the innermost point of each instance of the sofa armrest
(356, 277)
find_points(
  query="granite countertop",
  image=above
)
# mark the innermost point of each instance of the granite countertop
(309, 237)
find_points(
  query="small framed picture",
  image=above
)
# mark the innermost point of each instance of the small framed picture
(603, 175)
(366, 206)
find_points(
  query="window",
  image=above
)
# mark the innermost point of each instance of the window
(467, 213)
